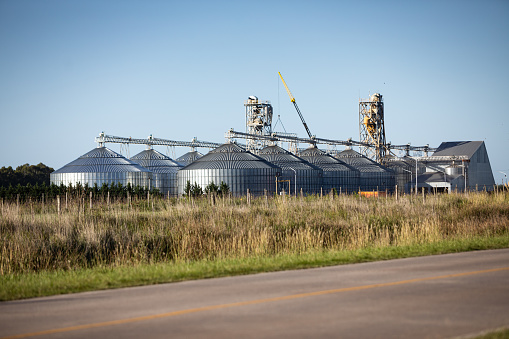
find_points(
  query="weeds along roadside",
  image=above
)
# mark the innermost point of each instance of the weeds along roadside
(35, 237)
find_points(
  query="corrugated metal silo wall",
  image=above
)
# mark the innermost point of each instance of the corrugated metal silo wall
(257, 180)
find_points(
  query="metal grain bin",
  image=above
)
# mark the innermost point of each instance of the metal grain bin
(373, 176)
(189, 157)
(404, 170)
(300, 173)
(102, 166)
(230, 163)
(164, 170)
(336, 174)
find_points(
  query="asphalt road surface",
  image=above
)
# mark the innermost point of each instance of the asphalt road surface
(443, 296)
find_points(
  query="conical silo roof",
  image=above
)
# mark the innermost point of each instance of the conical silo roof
(229, 163)
(102, 166)
(360, 162)
(101, 159)
(301, 174)
(336, 174)
(189, 157)
(164, 170)
(320, 159)
(373, 176)
(229, 156)
(284, 159)
(156, 161)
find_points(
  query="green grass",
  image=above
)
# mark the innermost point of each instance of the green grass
(44, 283)
(44, 251)
(497, 334)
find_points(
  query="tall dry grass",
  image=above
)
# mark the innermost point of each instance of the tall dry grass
(35, 237)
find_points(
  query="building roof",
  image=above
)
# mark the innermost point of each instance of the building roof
(450, 148)
(436, 177)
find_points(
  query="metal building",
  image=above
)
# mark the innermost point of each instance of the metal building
(296, 173)
(468, 159)
(189, 157)
(164, 170)
(336, 174)
(453, 166)
(233, 165)
(102, 166)
(373, 176)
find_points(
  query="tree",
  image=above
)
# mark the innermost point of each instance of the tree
(196, 190)
(224, 189)
(211, 188)
(187, 189)
(25, 174)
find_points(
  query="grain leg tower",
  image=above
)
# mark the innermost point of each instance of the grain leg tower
(258, 122)
(372, 127)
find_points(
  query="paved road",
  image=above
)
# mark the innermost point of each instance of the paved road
(428, 297)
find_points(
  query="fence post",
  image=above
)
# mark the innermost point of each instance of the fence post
(423, 196)
(248, 197)
(90, 200)
(58, 204)
(321, 192)
(396, 190)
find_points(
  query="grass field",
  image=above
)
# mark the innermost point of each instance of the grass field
(86, 247)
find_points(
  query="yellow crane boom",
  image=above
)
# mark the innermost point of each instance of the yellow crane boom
(287, 89)
(296, 107)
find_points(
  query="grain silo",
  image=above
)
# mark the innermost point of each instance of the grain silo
(189, 157)
(373, 176)
(233, 165)
(404, 171)
(336, 174)
(296, 173)
(164, 170)
(102, 166)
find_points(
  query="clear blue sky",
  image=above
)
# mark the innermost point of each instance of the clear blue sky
(180, 69)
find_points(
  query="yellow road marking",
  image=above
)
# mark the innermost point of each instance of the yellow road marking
(244, 303)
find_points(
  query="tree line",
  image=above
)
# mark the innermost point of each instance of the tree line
(37, 192)
(24, 175)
